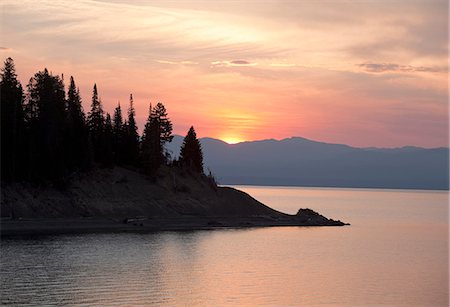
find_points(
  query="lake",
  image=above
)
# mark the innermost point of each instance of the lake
(394, 253)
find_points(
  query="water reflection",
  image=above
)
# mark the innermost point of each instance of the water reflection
(395, 252)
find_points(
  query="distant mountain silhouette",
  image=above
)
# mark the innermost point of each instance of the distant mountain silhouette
(298, 161)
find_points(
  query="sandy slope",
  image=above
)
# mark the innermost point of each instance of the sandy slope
(120, 192)
(174, 199)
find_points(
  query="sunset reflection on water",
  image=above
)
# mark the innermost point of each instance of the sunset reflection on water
(395, 252)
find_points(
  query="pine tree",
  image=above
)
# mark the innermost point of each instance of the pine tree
(151, 146)
(118, 136)
(74, 107)
(46, 119)
(160, 112)
(191, 152)
(95, 123)
(131, 136)
(76, 143)
(108, 157)
(12, 124)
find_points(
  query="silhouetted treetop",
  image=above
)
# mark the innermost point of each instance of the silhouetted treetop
(95, 118)
(131, 138)
(95, 123)
(151, 146)
(119, 130)
(160, 113)
(108, 138)
(118, 121)
(46, 121)
(74, 106)
(191, 154)
(13, 151)
(76, 138)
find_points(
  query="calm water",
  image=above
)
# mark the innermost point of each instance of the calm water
(395, 253)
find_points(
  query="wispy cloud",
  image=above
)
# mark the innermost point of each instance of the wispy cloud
(176, 62)
(391, 67)
(283, 64)
(233, 63)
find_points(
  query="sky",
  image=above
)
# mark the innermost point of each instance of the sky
(363, 72)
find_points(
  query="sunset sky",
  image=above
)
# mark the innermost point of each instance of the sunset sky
(363, 73)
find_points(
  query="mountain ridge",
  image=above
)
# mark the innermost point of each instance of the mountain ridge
(298, 161)
(300, 138)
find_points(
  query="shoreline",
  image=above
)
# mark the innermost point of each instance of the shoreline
(56, 226)
(314, 187)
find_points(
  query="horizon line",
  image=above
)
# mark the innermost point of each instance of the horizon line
(447, 146)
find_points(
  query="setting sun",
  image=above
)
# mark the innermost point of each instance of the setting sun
(231, 140)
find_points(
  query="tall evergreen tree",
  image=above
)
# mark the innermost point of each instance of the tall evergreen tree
(76, 139)
(46, 118)
(118, 136)
(160, 113)
(12, 124)
(95, 123)
(151, 145)
(191, 152)
(74, 107)
(108, 157)
(131, 136)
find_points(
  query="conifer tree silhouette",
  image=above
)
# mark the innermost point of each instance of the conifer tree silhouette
(76, 138)
(118, 136)
(13, 151)
(95, 123)
(131, 136)
(191, 154)
(108, 157)
(46, 115)
(151, 147)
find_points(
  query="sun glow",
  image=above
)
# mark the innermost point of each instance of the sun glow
(231, 140)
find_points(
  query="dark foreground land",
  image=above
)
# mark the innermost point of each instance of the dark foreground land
(143, 224)
(120, 200)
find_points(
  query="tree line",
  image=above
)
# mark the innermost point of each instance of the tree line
(46, 135)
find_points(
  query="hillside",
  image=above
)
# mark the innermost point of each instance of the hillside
(116, 198)
(301, 162)
(120, 192)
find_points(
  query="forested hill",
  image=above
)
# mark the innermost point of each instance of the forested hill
(302, 162)
(46, 136)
